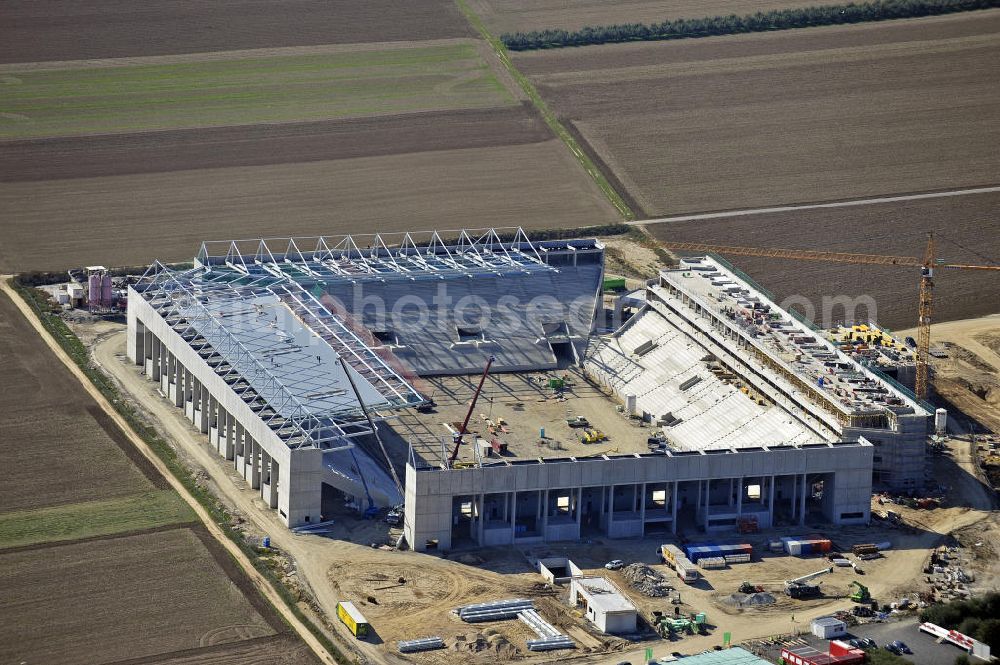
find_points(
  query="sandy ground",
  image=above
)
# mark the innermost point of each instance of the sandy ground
(969, 377)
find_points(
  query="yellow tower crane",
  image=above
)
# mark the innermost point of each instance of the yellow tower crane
(927, 266)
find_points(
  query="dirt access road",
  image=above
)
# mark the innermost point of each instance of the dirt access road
(259, 582)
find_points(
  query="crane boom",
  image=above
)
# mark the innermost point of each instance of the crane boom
(475, 398)
(926, 265)
(806, 578)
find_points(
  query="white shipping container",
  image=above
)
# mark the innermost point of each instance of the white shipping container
(712, 562)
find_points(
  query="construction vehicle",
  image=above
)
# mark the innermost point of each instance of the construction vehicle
(800, 587)
(593, 436)
(861, 595)
(927, 265)
(577, 421)
(457, 436)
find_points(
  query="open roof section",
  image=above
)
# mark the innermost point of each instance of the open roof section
(387, 256)
(279, 349)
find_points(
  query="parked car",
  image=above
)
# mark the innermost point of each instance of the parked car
(615, 565)
(901, 646)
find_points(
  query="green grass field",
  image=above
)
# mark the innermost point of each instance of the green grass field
(93, 518)
(249, 90)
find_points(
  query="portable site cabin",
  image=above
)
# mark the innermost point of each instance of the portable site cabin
(603, 604)
(352, 618)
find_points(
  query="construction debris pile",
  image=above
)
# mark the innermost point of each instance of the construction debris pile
(755, 599)
(646, 580)
(945, 573)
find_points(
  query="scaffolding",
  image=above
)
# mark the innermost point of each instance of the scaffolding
(224, 317)
(380, 256)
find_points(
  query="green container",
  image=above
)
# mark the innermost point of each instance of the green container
(614, 284)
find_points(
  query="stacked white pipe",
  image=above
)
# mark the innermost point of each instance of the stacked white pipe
(549, 638)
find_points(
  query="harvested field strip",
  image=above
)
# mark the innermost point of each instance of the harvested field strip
(732, 24)
(550, 118)
(258, 145)
(93, 518)
(766, 120)
(40, 30)
(257, 581)
(537, 183)
(249, 90)
(127, 597)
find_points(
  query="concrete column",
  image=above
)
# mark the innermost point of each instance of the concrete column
(140, 342)
(642, 509)
(513, 514)
(205, 409)
(255, 462)
(802, 501)
(739, 498)
(230, 449)
(795, 495)
(579, 507)
(770, 502)
(482, 519)
(275, 480)
(164, 357)
(180, 383)
(157, 352)
(673, 524)
(611, 506)
(708, 500)
(545, 511)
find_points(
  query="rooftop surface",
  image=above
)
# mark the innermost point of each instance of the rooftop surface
(846, 386)
(733, 656)
(526, 405)
(604, 595)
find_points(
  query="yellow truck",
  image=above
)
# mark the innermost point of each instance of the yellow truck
(674, 557)
(352, 618)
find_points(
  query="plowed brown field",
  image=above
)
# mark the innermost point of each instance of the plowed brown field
(132, 219)
(36, 30)
(140, 583)
(787, 117)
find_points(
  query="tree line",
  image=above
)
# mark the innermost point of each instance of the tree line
(778, 19)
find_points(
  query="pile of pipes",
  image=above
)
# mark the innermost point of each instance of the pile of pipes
(497, 610)
(422, 644)
(646, 580)
(549, 638)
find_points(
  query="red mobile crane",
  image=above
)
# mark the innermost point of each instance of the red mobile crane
(461, 432)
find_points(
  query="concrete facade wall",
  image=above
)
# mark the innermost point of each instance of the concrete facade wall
(289, 481)
(845, 470)
(900, 453)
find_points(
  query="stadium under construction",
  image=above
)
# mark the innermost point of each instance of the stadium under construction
(326, 369)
